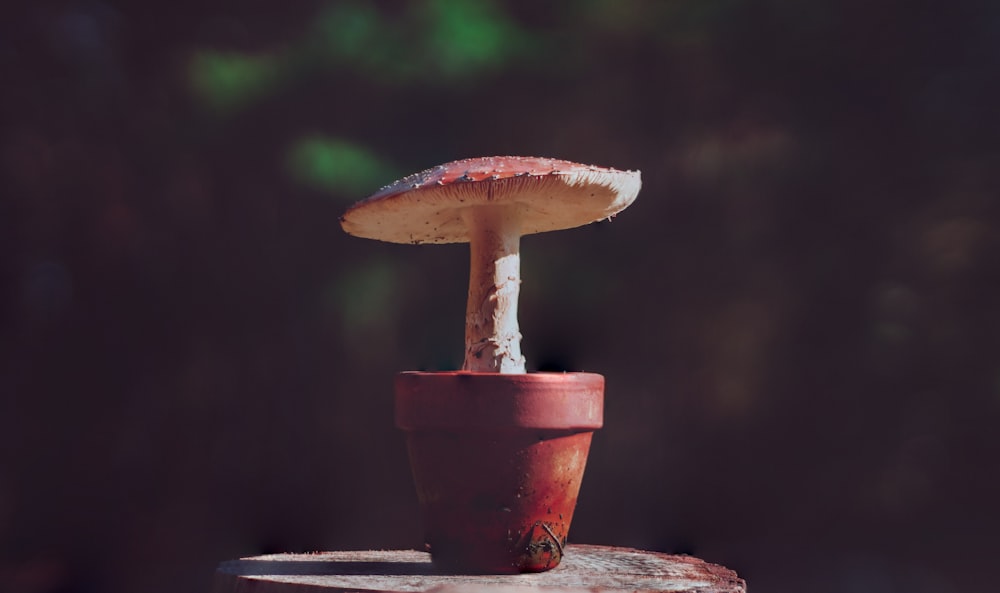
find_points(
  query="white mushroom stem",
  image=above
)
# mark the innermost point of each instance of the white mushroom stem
(492, 339)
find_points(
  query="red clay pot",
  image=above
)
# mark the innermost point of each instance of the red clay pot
(498, 460)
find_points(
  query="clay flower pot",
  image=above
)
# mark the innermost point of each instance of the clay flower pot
(498, 460)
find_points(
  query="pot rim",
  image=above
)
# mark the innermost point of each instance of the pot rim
(468, 401)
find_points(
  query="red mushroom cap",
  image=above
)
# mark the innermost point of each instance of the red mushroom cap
(546, 195)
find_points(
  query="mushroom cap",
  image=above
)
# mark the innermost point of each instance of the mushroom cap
(547, 195)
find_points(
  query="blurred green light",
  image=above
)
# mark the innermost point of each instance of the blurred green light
(228, 81)
(348, 29)
(365, 296)
(435, 40)
(466, 35)
(337, 165)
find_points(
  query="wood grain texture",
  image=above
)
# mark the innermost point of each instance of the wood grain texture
(585, 568)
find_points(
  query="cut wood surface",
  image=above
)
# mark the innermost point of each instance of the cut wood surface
(584, 568)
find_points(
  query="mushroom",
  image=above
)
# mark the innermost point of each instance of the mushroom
(490, 203)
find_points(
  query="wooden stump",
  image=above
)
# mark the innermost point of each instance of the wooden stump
(585, 568)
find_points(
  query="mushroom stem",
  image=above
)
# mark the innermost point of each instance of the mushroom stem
(492, 339)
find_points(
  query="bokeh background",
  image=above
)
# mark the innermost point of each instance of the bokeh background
(797, 319)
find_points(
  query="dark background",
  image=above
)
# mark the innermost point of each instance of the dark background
(797, 318)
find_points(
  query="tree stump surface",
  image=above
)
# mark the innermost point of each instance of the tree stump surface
(584, 568)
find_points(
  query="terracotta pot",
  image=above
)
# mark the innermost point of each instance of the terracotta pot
(498, 460)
